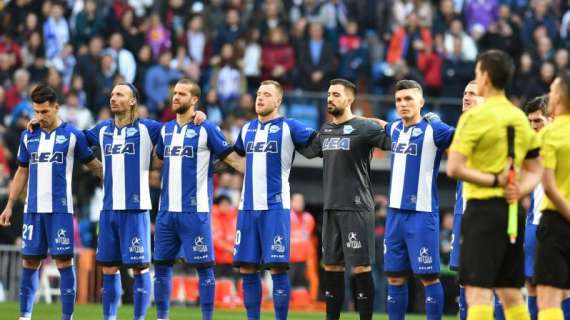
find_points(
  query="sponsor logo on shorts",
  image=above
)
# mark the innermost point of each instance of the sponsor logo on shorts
(136, 245)
(353, 241)
(278, 244)
(425, 257)
(199, 245)
(62, 238)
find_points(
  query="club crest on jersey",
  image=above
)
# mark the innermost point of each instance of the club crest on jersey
(424, 256)
(131, 132)
(336, 143)
(274, 129)
(62, 238)
(127, 148)
(179, 151)
(269, 147)
(278, 244)
(347, 129)
(406, 148)
(353, 241)
(60, 139)
(416, 132)
(38, 157)
(191, 133)
(136, 245)
(199, 245)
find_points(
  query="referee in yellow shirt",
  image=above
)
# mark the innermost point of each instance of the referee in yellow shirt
(478, 156)
(552, 268)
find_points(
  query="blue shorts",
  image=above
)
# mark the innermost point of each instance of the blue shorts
(263, 238)
(189, 231)
(529, 249)
(43, 231)
(124, 238)
(455, 242)
(411, 243)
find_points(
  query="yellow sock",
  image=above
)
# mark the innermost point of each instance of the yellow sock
(551, 314)
(519, 312)
(480, 312)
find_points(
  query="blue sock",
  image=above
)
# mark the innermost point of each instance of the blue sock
(533, 308)
(207, 292)
(499, 314)
(434, 301)
(28, 286)
(111, 295)
(281, 295)
(162, 290)
(566, 308)
(141, 294)
(397, 301)
(67, 288)
(252, 295)
(462, 304)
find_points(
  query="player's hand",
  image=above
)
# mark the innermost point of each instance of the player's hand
(430, 116)
(5, 217)
(32, 124)
(199, 118)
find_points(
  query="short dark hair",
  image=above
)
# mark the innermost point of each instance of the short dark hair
(408, 84)
(195, 90)
(43, 93)
(564, 77)
(539, 103)
(345, 83)
(498, 65)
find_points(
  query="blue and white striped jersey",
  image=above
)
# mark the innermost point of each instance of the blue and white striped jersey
(269, 149)
(416, 154)
(50, 157)
(187, 170)
(126, 156)
(460, 203)
(534, 211)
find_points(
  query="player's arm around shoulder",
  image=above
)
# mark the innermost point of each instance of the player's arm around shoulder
(376, 134)
(305, 139)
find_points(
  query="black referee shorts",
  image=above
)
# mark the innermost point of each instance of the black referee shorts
(488, 259)
(552, 259)
(348, 238)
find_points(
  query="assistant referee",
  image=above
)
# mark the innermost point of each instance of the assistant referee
(478, 156)
(552, 269)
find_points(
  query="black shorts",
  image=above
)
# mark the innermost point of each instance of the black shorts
(552, 260)
(348, 238)
(298, 275)
(488, 259)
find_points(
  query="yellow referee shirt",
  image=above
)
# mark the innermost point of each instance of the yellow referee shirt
(481, 136)
(555, 152)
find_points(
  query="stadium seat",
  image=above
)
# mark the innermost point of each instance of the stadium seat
(191, 286)
(300, 297)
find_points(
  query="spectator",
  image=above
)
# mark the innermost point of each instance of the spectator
(539, 17)
(32, 24)
(302, 228)
(246, 107)
(3, 108)
(38, 70)
(353, 53)
(199, 47)
(335, 18)
(75, 113)
(19, 90)
(106, 77)
(157, 82)
(6, 69)
(144, 62)
(445, 237)
(278, 59)
(133, 38)
(158, 36)
(88, 23)
(252, 60)
(503, 35)
(227, 78)
(468, 46)
(88, 65)
(478, 16)
(316, 60)
(230, 31)
(33, 48)
(212, 107)
(124, 59)
(65, 64)
(273, 17)
(442, 21)
(401, 10)
(183, 64)
(9, 45)
(547, 75)
(544, 51)
(525, 83)
(55, 80)
(224, 219)
(56, 31)
(307, 9)
(561, 59)
(409, 42)
(77, 86)
(175, 18)
(430, 64)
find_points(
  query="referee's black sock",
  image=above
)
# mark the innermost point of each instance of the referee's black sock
(364, 294)
(334, 293)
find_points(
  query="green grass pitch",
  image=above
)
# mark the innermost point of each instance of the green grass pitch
(9, 311)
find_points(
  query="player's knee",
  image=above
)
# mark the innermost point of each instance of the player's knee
(477, 295)
(247, 269)
(510, 297)
(531, 289)
(31, 264)
(140, 270)
(110, 269)
(397, 281)
(276, 270)
(429, 279)
(63, 263)
(332, 268)
(361, 269)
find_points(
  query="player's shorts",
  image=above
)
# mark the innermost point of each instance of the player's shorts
(124, 238)
(552, 266)
(529, 251)
(488, 259)
(348, 238)
(47, 231)
(455, 243)
(263, 238)
(411, 243)
(189, 231)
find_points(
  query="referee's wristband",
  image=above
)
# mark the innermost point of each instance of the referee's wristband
(495, 180)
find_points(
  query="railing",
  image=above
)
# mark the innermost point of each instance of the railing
(10, 270)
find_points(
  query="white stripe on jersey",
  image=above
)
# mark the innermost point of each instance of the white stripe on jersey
(69, 170)
(25, 141)
(425, 178)
(259, 177)
(537, 195)
(202, 167)
(399, 165)
(145, 153)
(118, 167)
(174, 172)
(45, 171)
(287, 150)
(243, 133)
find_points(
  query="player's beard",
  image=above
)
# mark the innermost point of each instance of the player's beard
(335, 111)
(183, 108)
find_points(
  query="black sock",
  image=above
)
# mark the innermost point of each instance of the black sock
(364, 294)
(334, 293)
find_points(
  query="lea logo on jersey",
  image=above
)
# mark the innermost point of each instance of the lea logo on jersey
(268, 147)
(37, 157)
(406, 148)
(178, 151)
(335, 143)
(127, 148)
